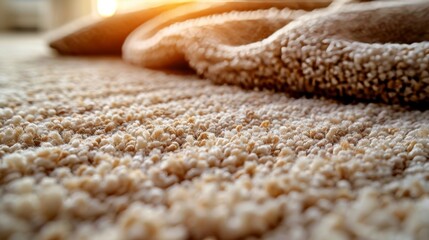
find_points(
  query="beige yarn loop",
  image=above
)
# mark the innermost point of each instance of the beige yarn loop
(368, 51)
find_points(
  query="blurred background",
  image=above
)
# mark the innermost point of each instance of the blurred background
(43, 15)
(40, 15)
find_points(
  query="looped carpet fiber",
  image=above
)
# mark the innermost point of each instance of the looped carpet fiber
(376, 51)
(371, 51)
(95, 148)
(92, 148)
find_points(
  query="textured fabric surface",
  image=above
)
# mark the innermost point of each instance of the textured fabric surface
(367, 51)
(92, 148)
(352, 49)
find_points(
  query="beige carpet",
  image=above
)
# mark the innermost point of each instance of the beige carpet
(92, 148)
(367, 51)
(351, 49)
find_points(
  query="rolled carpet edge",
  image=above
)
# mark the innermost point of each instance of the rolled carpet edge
(102, 36)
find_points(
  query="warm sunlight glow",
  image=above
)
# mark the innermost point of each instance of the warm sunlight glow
(107, 8)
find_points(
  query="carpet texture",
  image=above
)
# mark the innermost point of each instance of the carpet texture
(376, 51)
(370, 51)
(93, 148)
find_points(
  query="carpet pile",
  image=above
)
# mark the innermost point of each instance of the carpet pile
(349, 49)
(93, 148)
